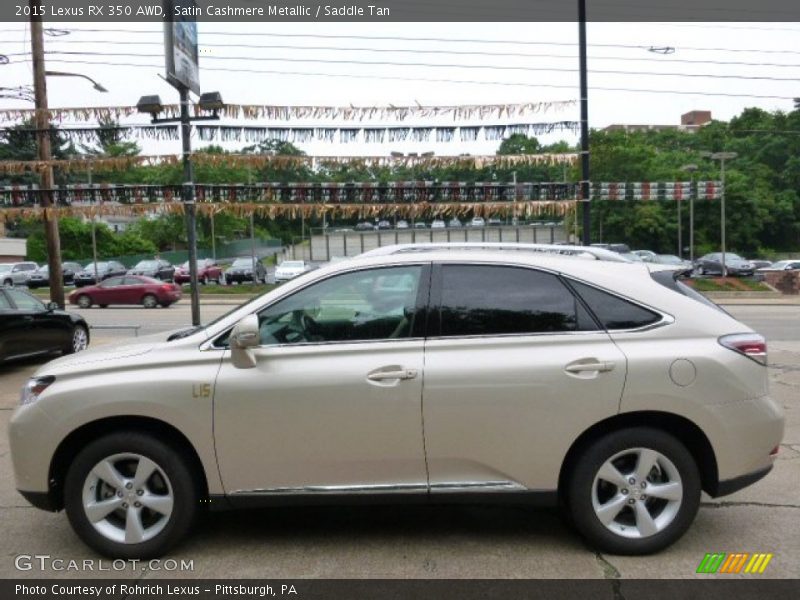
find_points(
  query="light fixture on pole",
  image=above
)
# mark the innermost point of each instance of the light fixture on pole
(99, 87)
(721, 157)
(691, 169)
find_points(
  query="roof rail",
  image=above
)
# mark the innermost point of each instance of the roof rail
(586, 252)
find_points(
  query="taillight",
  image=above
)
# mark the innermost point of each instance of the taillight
(167, 287)
(750, 345)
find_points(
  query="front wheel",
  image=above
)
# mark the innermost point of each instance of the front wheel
(78, 341)
(634, 491)
(149, 301)
(130, 495)
(84, 301)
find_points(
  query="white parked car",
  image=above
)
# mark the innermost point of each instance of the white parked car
(17, 273)
(289, 269)
(477, 222)
(600, 385)
(438, 224)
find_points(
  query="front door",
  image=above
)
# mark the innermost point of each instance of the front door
(515, 370)
(334, 402)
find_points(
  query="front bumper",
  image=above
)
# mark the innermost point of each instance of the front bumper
(238, 277)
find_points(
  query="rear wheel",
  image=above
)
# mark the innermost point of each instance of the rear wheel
(130, 495)
(634, 491)
(84, 301)
(8, 282)
(149, 301)
(204, 280)
(701, 271)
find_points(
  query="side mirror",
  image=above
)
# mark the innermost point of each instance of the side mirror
(51, 306)
(245, 335)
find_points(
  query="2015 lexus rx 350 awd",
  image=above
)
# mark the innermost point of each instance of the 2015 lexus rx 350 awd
(606, 387)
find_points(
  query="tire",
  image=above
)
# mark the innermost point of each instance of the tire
(79, 340)
(204, 280)
(629, 530)
(149, 301)
(84, 301)
(170, 479)
(166, 304)
(103, 305)
(8, 283)
(701, 271)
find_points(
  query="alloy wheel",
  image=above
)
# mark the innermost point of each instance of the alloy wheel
(128, 498)
(80, 339)
(637, 493)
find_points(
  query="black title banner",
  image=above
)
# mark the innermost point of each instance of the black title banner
(399, 10)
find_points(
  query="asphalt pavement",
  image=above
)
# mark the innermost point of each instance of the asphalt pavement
(422, 542)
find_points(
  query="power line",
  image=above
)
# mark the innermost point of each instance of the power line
(437, 80)
(443, 40)
(437, 51)
(333, 61)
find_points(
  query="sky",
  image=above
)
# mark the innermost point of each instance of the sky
(485, 66)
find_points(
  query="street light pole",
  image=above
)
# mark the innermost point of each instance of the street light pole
(189, 202)
(587, 217)
(722, 157)
(691, 169)
(50, 217)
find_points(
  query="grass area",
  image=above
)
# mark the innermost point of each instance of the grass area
(727, 284)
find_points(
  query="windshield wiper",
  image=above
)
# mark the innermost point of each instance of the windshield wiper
(184, 333)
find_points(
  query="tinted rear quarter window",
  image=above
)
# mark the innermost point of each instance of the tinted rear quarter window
(614, 312)
(499, 300)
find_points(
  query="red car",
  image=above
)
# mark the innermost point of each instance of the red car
(207, 271)
(130, 289)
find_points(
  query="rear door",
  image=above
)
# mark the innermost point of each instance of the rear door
(110, 291)
(41, 331)
(515, 370)
(14, 329)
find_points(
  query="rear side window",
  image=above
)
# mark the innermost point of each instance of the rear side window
(498, 300)
(614, 312)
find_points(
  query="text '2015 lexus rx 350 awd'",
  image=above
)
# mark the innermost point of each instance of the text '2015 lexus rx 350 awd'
(443, 374)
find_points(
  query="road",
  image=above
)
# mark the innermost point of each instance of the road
(428, 541)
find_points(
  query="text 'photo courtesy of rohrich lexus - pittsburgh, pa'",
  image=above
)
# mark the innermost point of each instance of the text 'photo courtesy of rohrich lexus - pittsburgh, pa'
(437, 374)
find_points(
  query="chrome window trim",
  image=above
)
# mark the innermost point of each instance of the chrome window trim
(209, 344)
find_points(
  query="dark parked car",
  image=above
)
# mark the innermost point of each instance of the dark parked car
(41, 278)
(242, 270)
(494, 222)
(130, 289)
(156, 268)
(620, 248)
(207, 270)
(105, 270)
(29, 327)
(711, 264)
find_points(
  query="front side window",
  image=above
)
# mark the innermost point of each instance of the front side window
(499, 300)
(375, 304)
(614, 312)
(25, 301)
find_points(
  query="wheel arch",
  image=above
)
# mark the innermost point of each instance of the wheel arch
(71, 445)
(686, 431)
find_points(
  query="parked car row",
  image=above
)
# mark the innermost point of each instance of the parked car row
(439, 223)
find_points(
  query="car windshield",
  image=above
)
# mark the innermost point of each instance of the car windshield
(292, 264)
(100, 266)
(147, 264)
(4, 268)
(781, 264)
(669, 259)
(242, 262)
(729, 256)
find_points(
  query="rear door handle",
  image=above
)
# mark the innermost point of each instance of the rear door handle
(398, 374)
(601, 367)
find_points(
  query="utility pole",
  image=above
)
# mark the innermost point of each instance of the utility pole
(189, 202)
(691, 169)
(42, 125)
(587, 217)
(94, 230)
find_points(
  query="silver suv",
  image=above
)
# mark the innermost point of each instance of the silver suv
(440, 374)
(17, 273)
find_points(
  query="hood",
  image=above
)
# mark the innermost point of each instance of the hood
(104, 356)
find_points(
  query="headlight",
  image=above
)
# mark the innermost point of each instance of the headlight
(33, 389)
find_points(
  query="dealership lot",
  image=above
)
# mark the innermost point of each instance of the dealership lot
(464, 541)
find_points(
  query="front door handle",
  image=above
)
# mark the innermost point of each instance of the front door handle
(397, 374)
(601, 367)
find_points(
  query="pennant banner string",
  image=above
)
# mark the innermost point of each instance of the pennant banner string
(284, 161)
(456, 112)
